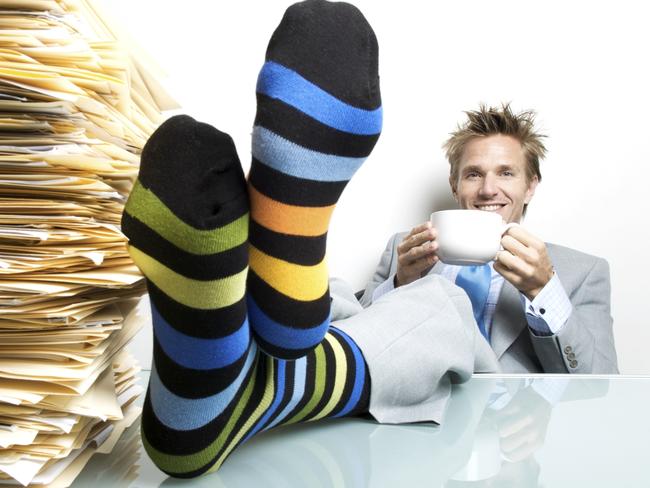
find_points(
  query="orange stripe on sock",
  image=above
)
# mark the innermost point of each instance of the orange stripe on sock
(289, 219)
(304, 283)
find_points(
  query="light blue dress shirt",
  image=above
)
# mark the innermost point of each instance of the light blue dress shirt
(546, 314)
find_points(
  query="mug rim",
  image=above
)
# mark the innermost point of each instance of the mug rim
(455, 210)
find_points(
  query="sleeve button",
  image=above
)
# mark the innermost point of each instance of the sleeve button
(573, 364)
(568, 349)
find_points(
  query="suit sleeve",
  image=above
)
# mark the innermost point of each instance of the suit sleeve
(386, 267)
(585, 344)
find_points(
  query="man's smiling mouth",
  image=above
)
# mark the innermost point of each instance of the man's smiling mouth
(491, 207)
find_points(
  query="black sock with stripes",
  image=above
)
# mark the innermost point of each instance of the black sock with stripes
(187, 224)
(318, 117)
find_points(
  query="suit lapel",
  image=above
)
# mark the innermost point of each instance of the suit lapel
(508, 321)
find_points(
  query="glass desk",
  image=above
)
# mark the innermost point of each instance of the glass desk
(499, 431)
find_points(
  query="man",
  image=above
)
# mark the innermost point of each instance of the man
(548, 306)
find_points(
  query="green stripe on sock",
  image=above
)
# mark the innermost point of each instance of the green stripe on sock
(204, 295)
(145, 206)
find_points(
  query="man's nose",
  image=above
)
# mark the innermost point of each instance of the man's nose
(489, 186)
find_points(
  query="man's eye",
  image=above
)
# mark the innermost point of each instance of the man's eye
(508, 173)
(472, 175)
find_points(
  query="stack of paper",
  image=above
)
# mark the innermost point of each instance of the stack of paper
(76, 107)
(44, 443)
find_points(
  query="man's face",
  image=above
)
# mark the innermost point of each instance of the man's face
(492, 177)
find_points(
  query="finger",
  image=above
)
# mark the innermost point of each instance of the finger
(518, 440)
(522, 271)
(523, 236)
(511, 262)
(425, 263)
(506, 272)
(403, 245)
(521, 452)
(420, 228)
(509, 445)
(513, 425)
(418, 239)
(417, 266)
(418, 252)
(424, 236)
(406, 259)
(518, 249)
(415, 240)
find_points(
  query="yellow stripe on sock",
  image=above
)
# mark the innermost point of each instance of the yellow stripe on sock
(204, 295)
(289, 219)
(145, 206)
(305, 283)
(339, 379)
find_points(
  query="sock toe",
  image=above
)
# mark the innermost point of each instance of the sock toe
(332, 45)
(187, 215)
(193, 168)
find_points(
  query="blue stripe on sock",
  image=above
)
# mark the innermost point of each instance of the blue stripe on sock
(279, 82)
(300, 373)
(359, 375)
(283, 336)
(279, 393)
(290, 158)
(196, 352)
(191, 413)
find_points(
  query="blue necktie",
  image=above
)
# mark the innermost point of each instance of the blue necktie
(475, 280)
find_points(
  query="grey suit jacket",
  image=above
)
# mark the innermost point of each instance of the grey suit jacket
(586, 338)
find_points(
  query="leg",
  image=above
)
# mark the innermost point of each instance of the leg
(318, 118)
(187, 223)
(210, 388)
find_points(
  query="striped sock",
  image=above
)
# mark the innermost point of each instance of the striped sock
(318, 117)
(210, 387)
(187, 224)
(189, 436)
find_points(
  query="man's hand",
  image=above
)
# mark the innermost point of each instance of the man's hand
(416, 254)
(524, 261)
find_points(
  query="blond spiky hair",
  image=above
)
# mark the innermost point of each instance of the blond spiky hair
(488, 121)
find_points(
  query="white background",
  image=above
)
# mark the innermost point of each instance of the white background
(582, 65)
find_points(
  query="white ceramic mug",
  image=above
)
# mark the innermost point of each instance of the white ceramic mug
(468, 237)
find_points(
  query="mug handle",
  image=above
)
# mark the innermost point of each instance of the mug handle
(508, 226)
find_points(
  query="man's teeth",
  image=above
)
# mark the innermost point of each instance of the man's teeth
(489, 208)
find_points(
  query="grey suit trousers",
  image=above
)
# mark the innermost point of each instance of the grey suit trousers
(417, 341)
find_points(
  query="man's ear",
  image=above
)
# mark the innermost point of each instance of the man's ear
(452, 184)
(532, 185)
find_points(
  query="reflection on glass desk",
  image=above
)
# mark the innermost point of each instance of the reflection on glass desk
(498, 432)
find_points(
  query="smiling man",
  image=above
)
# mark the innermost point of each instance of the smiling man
(543, 307)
